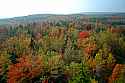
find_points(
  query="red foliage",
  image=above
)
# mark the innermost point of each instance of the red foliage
(84, 35)
(16, 71)
(23, 69)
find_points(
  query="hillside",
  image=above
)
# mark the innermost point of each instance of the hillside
(77, 48)
(55, 17)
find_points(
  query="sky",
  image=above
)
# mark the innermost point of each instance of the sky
(14, 8)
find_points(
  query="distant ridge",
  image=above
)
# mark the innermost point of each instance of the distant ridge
(42, 17)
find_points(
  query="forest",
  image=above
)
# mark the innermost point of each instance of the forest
(82, 49)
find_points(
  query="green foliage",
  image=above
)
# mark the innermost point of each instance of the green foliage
(80, 73)
(4, 77)
(114, 42)
(71, 55)
(62, 52)
(104, 57)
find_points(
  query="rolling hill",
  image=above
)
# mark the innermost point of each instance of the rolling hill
(55, 17)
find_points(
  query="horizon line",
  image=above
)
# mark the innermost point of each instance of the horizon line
(61, 14)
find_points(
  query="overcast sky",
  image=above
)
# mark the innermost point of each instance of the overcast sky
(13, 8)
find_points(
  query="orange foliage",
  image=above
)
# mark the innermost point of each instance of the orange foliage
(24, 69)
(118, 69)
(92, 64)
(89, 49)
(117, 30)
(45, 81)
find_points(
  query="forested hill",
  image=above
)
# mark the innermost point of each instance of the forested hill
(55, 17)
(37, 18)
